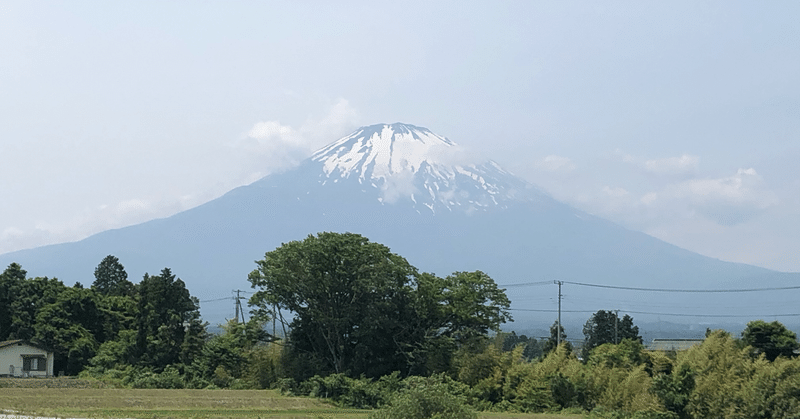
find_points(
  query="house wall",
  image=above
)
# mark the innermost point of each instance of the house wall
(12, 356)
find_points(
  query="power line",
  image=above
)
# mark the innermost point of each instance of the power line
(550, 311)
(583, 284)
(715, 315)
(662, 314)
(528, 284)
(216, 299)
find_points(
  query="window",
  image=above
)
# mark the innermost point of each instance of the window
(34, 363)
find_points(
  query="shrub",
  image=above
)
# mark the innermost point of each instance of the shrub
(426, 401)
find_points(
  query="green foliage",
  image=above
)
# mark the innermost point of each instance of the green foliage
(170, 377)
(531, 347)
(264, 367)
(773, 391)
(111, 278)
(627, 354)
(674, 390)
(168, 322)
(362, 310)
(607, 327)
(771, 339)
(552, 341)
(722, 367)
(10, 281)
(351, 298)
(426, 398)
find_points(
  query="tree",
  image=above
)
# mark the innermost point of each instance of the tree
(351, 299)
(607, 327)
(772, 339)
(552, 341)
(168, 322)
(360, 309)
(10, 280)
(111, 278)
(73, 327)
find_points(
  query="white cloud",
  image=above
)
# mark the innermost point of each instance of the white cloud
(673, 165)
(553, 163)
(728, 200)
(683, 165)
(272, 146)
(272, 131)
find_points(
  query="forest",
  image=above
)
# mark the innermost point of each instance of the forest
(361, 326)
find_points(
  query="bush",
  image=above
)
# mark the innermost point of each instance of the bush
(361, 393)
(426, 401)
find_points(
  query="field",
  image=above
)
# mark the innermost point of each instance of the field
(76, 399)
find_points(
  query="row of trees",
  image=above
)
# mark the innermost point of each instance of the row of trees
(364, 326)
(152, 324)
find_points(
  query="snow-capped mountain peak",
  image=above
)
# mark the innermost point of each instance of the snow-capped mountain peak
(379, 151)
(406, 161)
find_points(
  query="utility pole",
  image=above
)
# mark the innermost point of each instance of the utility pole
(558, 327)
(238, 306)
(616, 325)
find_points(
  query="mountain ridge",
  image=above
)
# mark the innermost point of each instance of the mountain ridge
(524, 236)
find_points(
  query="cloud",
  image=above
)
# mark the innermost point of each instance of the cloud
(553, 163)
(272, 146)
(673, 165)
(268, 131)
(399, 185)
(728, 200)
(683, 165)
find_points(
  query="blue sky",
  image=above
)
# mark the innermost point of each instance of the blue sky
(679, 119)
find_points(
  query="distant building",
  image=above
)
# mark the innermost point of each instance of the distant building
(20, 358)
(665, 345)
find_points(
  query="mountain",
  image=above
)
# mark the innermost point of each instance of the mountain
(425, 198)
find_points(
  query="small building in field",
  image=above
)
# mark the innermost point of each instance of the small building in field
(673, 344)
(20, 358)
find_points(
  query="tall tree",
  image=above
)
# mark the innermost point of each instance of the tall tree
(607, 327)
(360, 309)
(552, 341)
(10, 281)
(72, 326)
(168, 320)
(111, 278)
(772, 339)
(351, 299)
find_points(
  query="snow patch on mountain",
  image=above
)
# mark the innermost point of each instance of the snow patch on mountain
(404, 161)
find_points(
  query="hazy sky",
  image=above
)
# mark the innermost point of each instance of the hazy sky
(679, 119)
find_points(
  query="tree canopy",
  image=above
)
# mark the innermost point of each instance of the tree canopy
(772, 339)
(606, 327)
(361, 309)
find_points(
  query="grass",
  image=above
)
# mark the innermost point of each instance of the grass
(55, 401)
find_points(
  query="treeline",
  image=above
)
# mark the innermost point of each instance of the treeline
(365, 329)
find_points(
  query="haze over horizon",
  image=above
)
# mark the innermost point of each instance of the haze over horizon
(680, 120)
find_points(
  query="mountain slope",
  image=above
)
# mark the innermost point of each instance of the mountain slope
(414, 191)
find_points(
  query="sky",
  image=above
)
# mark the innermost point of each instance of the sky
(680, 119)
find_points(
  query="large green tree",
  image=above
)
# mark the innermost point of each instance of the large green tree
(169, 330)
(351, 300)
(361, 309)
(111, 278)
(772, 339)
(11, 280)
(606, 327)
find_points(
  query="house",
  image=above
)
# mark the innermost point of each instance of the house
(673, 344)
(20, 358)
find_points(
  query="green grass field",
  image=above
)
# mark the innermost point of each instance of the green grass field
(59, 400)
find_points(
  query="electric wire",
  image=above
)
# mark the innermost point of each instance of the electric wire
(617, 287)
